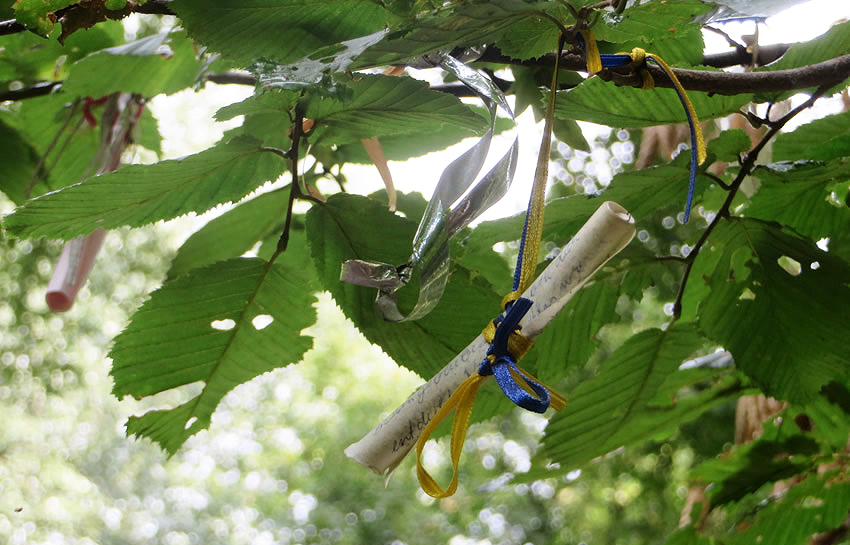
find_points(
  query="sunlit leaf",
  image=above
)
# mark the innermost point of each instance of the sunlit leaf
(754, 304)
(352, 227)
(821, 140)
(283, 32)
(601, 102)
(161, 63)
(140, 194)
(232, 233)
(204, 327)
(802, 196)
(615, 409)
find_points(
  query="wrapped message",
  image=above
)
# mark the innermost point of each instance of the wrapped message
(604, 235)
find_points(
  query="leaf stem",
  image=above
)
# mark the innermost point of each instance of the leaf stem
(295, 189)
(747, 166)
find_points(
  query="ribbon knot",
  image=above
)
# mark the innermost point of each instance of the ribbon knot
(507, 345)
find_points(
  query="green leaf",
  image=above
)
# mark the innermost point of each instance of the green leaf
(245, 30)
(469, 23)
(754, 306)
(139, 194)
(571, 337)
(747, 468)
(534, 36)
(354, 227)
(601, 102)
(36, 14)
(818, 504)
(161, 63)
(233, 233)
(827, 418)
(662, 28)
(821, 140)
(613, 409)
(147, 132)
(185, 320)
(833, 43)
(802, 196)
(385, 105)
(18, 161)
(29, 58)
(729, 145)
(643, 193)
(58, 130)
(569, 132)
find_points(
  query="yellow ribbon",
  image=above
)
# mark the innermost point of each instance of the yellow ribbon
(639, 58)
(463, 399)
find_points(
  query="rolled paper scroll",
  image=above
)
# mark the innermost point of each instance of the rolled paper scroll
(607, 232)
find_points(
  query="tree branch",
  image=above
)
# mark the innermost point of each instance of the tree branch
(747, 166)
(151, 7)
(828, 73)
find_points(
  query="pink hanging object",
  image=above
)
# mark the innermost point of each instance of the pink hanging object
(78, 255)
(72, 270)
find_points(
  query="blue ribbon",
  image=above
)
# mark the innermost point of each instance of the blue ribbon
(620, 60)
(503, 362)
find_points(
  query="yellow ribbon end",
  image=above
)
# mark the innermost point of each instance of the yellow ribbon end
(701, 151)
(591, 52)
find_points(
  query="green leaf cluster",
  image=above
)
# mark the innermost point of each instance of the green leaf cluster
(749, 297)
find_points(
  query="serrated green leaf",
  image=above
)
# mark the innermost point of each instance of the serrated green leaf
(600, 102)
(569, 132)
(534, 36)
(821, 140)
(29, 58)
(184, 321)
(571, 337)
(18, 162)
(754, 304)
(729, 145)
(833, 43)
(55, 128)
(611, 410)
(147, 132)
(801, 196)
(385, 105)
(827, 418)
(469, 23)
(642, 192)
(283, 32)
(354, 227)
(35, 14)
(818, 504)
(232, 233)
(661, 28)
(749, 467)
(139, 194)
(161, 63)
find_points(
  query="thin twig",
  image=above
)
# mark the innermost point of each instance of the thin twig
(747, 166)
(716, 179)
(294, 189)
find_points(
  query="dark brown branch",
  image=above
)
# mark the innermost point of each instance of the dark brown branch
(37, 90)
(747, 165)
(12, 26)
(766, 55)
(93, 14)
(829, 73)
